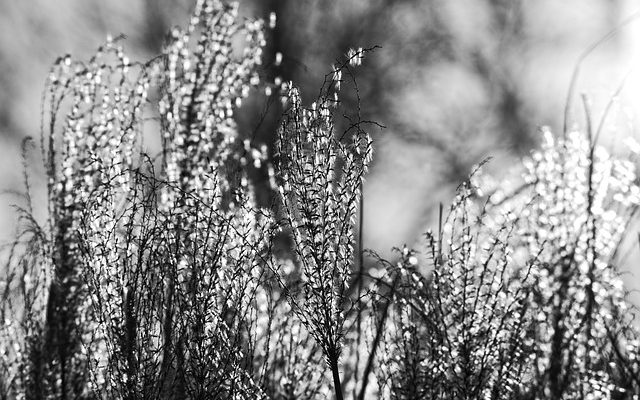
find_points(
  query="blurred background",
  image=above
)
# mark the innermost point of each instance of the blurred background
(453, 81)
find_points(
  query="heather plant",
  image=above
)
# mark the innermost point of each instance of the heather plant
(156, 276)
(90, 144)
(158, 282)
(523, 298)
(460, 330)
(150, 280)
(320, 185)
(219, 237)
(583, 199)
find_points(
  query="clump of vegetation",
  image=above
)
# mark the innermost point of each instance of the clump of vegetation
(156, 277)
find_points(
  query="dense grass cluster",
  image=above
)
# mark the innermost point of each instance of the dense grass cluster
(157, 277)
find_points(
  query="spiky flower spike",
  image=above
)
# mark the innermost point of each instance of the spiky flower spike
(320, 179)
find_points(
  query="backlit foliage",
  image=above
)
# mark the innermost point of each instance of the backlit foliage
(460, 331)
(320, 186)
(156, 276)
(583, 200)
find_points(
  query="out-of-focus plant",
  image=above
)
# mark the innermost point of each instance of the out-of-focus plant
(583, 201)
